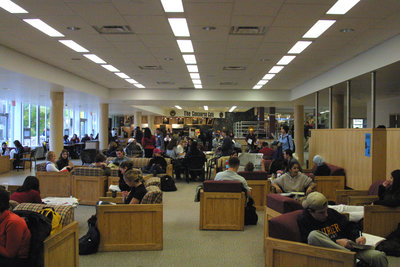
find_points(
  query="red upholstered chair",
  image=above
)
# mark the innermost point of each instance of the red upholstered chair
(283, 246)
(359, 197)
(222, 205)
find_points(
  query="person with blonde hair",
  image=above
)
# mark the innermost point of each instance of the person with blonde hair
(51, 158)
(134, 179)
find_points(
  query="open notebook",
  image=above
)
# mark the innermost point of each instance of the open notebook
(371, 242)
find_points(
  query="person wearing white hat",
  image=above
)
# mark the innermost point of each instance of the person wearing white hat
(322, 169)
(325, 227)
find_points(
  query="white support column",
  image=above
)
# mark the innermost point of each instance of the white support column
(137, 119)
(103, 126)
(150, 121)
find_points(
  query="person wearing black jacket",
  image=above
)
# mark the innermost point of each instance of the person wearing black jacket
(227, 145)
(123, 168)
(325, 227)
(389, 191)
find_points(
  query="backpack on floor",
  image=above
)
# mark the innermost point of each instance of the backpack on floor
(250, 214)
(40, 228)
(54, 217)
(89, 243)
(167, 183)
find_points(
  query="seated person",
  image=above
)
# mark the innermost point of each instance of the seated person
(74, 139)
(63, 160)
(288, 159)
(322, 169)
(134, 148)
(66, 140)
(231, 174)
(120, 157)
(111, 151)
(17, 153)
(124, 167)
(267, 152)
(4, 151)
(249, 167)
(85, 138)
(157, 164)
(100, 162)
(28, 192)
(325, 227)
(389, 191)
(134, 179)
(293, 181)
(15, 236)
(198, 162)
(51, 163)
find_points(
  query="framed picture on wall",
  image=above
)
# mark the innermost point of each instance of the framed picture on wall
(165, 120)
(200, 120)
(195, 121)
(181, 120)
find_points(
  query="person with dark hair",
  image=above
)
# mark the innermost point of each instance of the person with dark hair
(159, 139)
(100, 162)
(123, 168)
(381, 127)
(294, 181)
(112, 147)
(63, 160)
(251, 140)
(28, 192)
(66, 139)
(18, 153)
(389, 191)
(15, 236)
(322, 169)
(227, 145)
(172, 149)
(157, 164)
(288, 159)
(324, 227)
(231, 174)
(266, 151)
(285, 139)
(85, 138)
(138, 135)
(134, 179)
(195, 159)
(74, 139)
(148, 143)
(249, 167)
(51, 163)
(4, 151)
(120, 156)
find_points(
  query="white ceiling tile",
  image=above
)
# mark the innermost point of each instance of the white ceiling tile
(149, 24)
(215, 14)
(97, 13)
(139, 7)
(257, 7)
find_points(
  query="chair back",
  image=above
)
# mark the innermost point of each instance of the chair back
(285, 226)
(153, 195)
(374, 188)
(283, 204)
(255, 175)
(223, 186)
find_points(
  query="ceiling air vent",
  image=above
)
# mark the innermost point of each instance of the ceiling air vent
(247, 30)
(186, 88)
(113, 29)
(150, 67)
(234, 68)
(165, 83)
(228, 83)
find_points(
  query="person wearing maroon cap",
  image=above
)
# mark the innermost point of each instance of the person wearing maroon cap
(157, 164)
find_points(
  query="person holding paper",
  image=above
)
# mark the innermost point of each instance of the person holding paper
(251, 140)
(325, 227)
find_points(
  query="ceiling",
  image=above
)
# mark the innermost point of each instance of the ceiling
(285, 21)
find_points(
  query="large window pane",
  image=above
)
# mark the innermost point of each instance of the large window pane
(360, 101)
(323, 110)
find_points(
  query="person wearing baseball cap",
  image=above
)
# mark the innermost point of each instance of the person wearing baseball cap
(325, 227)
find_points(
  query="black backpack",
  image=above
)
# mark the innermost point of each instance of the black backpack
(40, 228)
(250, 215)
(167, 183)
(89, 243)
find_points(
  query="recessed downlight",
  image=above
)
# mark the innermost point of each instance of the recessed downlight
(347, 30)
(209, 28)
(73, 28)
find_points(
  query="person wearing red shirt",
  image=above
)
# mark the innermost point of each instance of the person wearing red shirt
(28, 192)
(268, 152)
(14, 235)
(148, 143)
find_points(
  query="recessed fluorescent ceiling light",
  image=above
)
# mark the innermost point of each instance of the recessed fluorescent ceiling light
(342, 6)
(276, 69)
(189, 59)
(299, 47)
(178, 107)
(268, 76)
(258, 86)
(138, 85)
(185, 46)
(232, 108)
(192, 68)
(179, 27)
(74, 46)
(262, 82)
(285, 60)
(110, 68)
(172, 5)
(196, 81)
(132, 81)
(194, 75)
(198, 86)
(11, 7)
(43, 27)
(122, 75)
(94, 58)
(205, 107)
(319, 28)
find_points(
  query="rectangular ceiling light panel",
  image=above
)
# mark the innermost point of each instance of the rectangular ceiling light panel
(11, 7)
(342, 6)
(299, 47)
(172, 6)
(258, 86)
(275, 69)
(178, 107)
(189, 59)
(74, 46)
(110, 68)
(192, 68)
(185, 46)
(94, 58)
(285, 60)
(205, 107)
(195, 75)
(232, 108)
(262, 82)
(198, 86)
(179, 27)
(138, 85)
(319, 28)
(268, 76)
(132, 81)
(196, 81)
(43, 27)
(122, 75)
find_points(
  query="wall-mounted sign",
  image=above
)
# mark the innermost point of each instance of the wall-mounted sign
(202, 114)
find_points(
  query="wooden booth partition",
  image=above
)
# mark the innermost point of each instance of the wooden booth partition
(88, 189)
(392, 150)
(130, 227)
(55, 184)
(347, 148)
(4, 164)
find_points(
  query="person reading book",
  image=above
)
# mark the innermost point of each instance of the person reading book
(325, 227)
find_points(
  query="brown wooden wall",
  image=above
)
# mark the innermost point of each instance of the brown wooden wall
(346, 148)
(392, 150)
